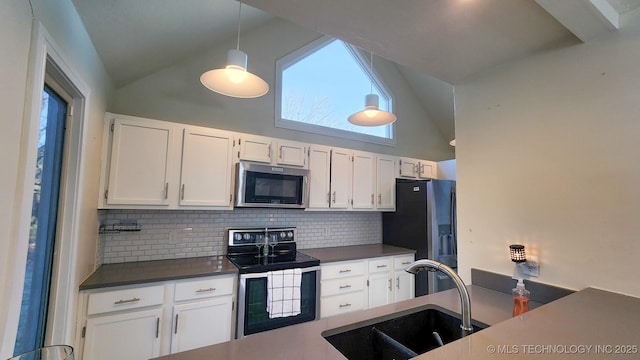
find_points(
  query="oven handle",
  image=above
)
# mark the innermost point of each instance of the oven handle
(264, 274)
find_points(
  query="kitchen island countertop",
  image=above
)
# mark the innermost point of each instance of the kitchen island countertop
(589, 324)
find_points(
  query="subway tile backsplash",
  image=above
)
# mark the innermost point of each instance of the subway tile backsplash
(172, 234)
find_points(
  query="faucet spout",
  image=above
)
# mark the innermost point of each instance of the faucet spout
(465, 301)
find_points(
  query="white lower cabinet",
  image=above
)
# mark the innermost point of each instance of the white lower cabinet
(133, 335)
(145, 321)
(343, 287)
(200, 323)
(361, 284)
(404, 282)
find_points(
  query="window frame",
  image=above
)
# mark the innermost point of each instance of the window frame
(307, 50)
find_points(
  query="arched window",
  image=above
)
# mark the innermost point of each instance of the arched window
(321, 84)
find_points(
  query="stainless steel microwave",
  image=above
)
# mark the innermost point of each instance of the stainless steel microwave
(261, 185)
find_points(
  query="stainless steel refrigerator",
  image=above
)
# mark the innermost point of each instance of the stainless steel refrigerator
(425, 220)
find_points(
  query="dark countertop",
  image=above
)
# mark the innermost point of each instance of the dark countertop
(588, 324)
(355, 252)
(157, 270)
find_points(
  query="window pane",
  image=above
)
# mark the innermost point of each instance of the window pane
(328, 85)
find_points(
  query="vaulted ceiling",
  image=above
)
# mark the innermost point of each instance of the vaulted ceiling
(436, 43)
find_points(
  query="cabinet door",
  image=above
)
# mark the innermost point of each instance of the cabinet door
(291, 153)
(206, 167)
(404, 286)
(386, 183)
(141, 154)
(364, 181)
(201, 323)
(341, 178)
(408, 168)
(129, 336)
(427, 169)
(254, 148)
(319, 174)
(380, 289)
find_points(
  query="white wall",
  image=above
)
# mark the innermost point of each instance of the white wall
(74, 46)
(175, 94)
(548, 154)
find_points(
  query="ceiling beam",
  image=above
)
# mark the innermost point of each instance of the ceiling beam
(586, 19)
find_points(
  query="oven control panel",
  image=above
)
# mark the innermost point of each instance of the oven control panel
(256, 236)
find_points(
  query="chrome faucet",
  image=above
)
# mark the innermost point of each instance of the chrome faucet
(465, 301)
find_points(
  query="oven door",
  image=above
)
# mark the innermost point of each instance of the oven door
(252, 303)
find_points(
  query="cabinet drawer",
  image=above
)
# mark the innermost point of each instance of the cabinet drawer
(343, 269)
(341, 304)
(401, 262)
(125, 299)
(198, 289)
(341, 286)
(380, 264)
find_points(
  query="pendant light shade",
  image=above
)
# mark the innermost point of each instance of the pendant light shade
(372, 115)
(234, 80)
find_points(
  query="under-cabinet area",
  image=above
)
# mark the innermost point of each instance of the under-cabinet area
(193, 167)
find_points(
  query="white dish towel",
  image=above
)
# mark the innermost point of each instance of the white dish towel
(283, 293)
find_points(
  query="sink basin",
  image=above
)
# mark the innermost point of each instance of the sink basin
(398, 336)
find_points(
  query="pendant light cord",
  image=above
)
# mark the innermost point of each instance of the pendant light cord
(239, 13)
(371, 73)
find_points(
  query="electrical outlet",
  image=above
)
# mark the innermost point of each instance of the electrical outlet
(531, 267)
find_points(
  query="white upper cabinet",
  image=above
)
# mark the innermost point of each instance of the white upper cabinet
(272, 151)
(386, 183)
(408, 168)
(291, 153)
(141, 162)
(364, 181)
(428, 169)
(320, 177)
(341, 175)
(206, 167)
(417, 169)
(254, 148)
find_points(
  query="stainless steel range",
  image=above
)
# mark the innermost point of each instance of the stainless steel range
(246, 250)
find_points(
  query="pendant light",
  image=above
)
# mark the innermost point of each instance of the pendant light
(234, 80)
(372, 115)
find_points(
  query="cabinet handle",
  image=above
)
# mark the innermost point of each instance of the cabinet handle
(398, 283)
(389, 284)
(416, 169)
(166, 191)
(345, 305)
(381, 266)
(121, 301)
(280, 152)
(372, 199)
(182, 192)
(334, 197)
(344, 271)
(205, 290)
(406, 262)
(157, 327)
(380, 199)
(345, 286)
(175, 330)
(269, 152)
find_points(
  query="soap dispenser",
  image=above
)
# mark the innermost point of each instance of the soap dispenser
(520, 298)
